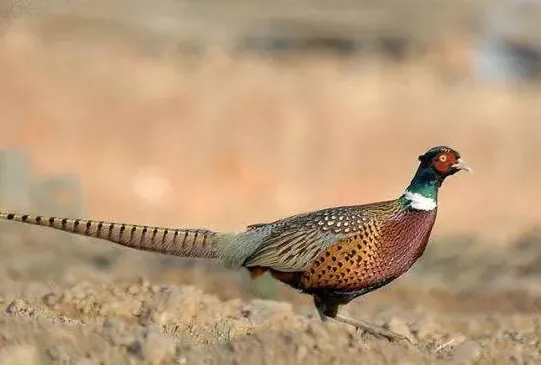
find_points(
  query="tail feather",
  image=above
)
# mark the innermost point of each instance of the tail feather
(200, 243)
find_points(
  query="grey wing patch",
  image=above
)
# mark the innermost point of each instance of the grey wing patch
(290, 250)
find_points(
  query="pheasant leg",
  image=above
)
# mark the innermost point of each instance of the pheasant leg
(376, 331)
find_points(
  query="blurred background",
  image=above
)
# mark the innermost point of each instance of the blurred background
(220, 114)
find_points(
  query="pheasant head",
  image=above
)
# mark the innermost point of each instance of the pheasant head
(435, 166)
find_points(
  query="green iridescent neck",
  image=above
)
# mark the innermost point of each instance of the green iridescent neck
(425, 183)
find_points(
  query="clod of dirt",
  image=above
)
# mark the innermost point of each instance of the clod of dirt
(466, 352)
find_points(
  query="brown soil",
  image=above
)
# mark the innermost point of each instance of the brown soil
(80, 301)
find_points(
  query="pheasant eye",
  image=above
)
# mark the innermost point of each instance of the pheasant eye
(443, 158)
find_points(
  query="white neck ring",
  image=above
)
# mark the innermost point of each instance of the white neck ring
(420, 202)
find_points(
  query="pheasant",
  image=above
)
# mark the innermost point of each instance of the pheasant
(334, 254)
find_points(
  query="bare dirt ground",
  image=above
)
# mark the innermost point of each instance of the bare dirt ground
(222, 142)
(79, 301)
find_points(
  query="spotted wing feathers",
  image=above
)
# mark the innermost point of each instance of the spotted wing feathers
(295, 243)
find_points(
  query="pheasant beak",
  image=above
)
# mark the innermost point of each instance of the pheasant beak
(461, 165)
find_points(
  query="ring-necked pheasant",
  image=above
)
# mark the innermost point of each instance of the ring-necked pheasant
(334, 254)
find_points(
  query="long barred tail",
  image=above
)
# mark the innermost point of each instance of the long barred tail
(179, 242)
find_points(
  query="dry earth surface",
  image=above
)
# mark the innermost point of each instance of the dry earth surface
(78, 301)
(221, 142)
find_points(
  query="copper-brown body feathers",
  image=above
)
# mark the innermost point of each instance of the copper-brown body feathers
(371, 243)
